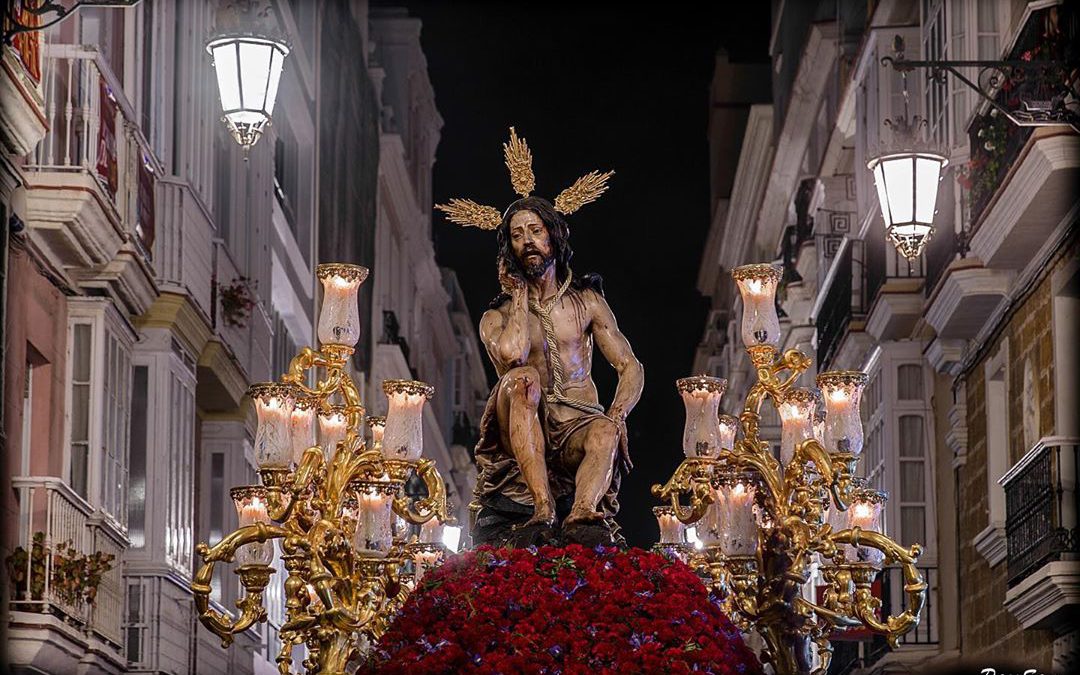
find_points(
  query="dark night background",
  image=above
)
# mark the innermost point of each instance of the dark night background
(595, 87)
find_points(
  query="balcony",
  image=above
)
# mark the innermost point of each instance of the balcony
(893, 290)
(965, 297)
(1022, 180)
(90, 182)
(1040, 527)
(841, 312)
(923, 641)
(22, 107)
(60, 620)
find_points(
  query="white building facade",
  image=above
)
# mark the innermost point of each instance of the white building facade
(152, 272)
(954, 424)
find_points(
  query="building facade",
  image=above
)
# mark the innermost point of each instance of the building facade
(969, 413)
(152, 272)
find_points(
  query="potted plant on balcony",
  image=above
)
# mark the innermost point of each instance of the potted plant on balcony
(236, 301)
(74, 576)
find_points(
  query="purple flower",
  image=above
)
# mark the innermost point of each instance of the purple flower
(555, 651)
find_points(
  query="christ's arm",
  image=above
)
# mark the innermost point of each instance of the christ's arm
(616, 349)
(505, 336)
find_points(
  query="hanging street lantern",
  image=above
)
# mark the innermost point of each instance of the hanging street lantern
(248, 66)
(906, 176)
(907, 187)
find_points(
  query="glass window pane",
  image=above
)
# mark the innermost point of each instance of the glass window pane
(987, 15)
(909, 382)
(137, 460)
(80, 367)
(912, 525)
(911, 436)
(912, 482)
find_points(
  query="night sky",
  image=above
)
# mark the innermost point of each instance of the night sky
(595, 87)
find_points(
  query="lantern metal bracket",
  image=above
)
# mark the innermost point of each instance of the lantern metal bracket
(42, 8)
(1061, 109)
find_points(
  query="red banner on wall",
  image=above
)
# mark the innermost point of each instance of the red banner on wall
(106, 146)
(27, 45)
(146, 206)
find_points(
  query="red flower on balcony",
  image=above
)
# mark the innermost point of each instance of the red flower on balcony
(562, 610)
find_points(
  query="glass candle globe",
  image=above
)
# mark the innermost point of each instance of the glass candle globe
(431, 532)
(738, 526)
(672, 530)
(302, 425)
(273, 436)
(796, 422)
(728, 427)
(404, 435)
(339, 320)
(865, 513)
(250, 501)
(842, 390)
(375, 517)
(757, 285)
(333, 427)
(701, 396)
(377, 425)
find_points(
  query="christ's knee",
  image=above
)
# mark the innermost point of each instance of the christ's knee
(602, 439)
(522, 385)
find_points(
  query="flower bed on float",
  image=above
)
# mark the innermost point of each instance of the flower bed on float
(562, 610)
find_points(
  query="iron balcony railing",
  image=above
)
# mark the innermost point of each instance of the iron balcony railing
(1040, 507)
(835, 314)
(996, 143)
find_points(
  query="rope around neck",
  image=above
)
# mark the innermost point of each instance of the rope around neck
(543, 312)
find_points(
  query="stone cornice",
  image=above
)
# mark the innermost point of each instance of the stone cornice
(992, 544)
(1043, 156)
(1048, 598)
(962, 284)
(176, 313)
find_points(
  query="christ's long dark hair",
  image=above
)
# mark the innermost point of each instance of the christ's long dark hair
(558, 235)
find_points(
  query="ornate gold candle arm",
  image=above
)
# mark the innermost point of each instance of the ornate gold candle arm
(322, 577)
(865, 603)
(693, 476)
(297, 482)
(250, 605)
(434, 505)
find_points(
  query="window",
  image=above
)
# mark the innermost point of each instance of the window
(912, 478)
(99, 405)
(934, 49)
(79, 458)
(959, 30)
(909, 383)
(116, 416)
(180, 451)
(137, 459)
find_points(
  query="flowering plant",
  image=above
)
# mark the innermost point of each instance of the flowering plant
(562, 610)
(236, 302)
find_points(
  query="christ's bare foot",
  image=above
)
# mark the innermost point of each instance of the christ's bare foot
(543, 514)
(582, 515)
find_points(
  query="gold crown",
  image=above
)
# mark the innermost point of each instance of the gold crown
(519, 162)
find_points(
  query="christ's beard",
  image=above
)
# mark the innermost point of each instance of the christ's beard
(534, 268)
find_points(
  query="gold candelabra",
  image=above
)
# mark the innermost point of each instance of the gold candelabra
(330, 500)
(764, 522)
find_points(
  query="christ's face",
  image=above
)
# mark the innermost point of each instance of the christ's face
(531, 243)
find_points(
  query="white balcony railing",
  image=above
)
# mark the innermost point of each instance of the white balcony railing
(81, 95)
(49, 572)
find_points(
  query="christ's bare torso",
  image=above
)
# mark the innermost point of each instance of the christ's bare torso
(572, 321)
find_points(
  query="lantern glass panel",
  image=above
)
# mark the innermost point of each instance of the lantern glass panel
(899, 186)
(927, 172)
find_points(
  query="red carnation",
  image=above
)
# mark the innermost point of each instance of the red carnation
(562, 610)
